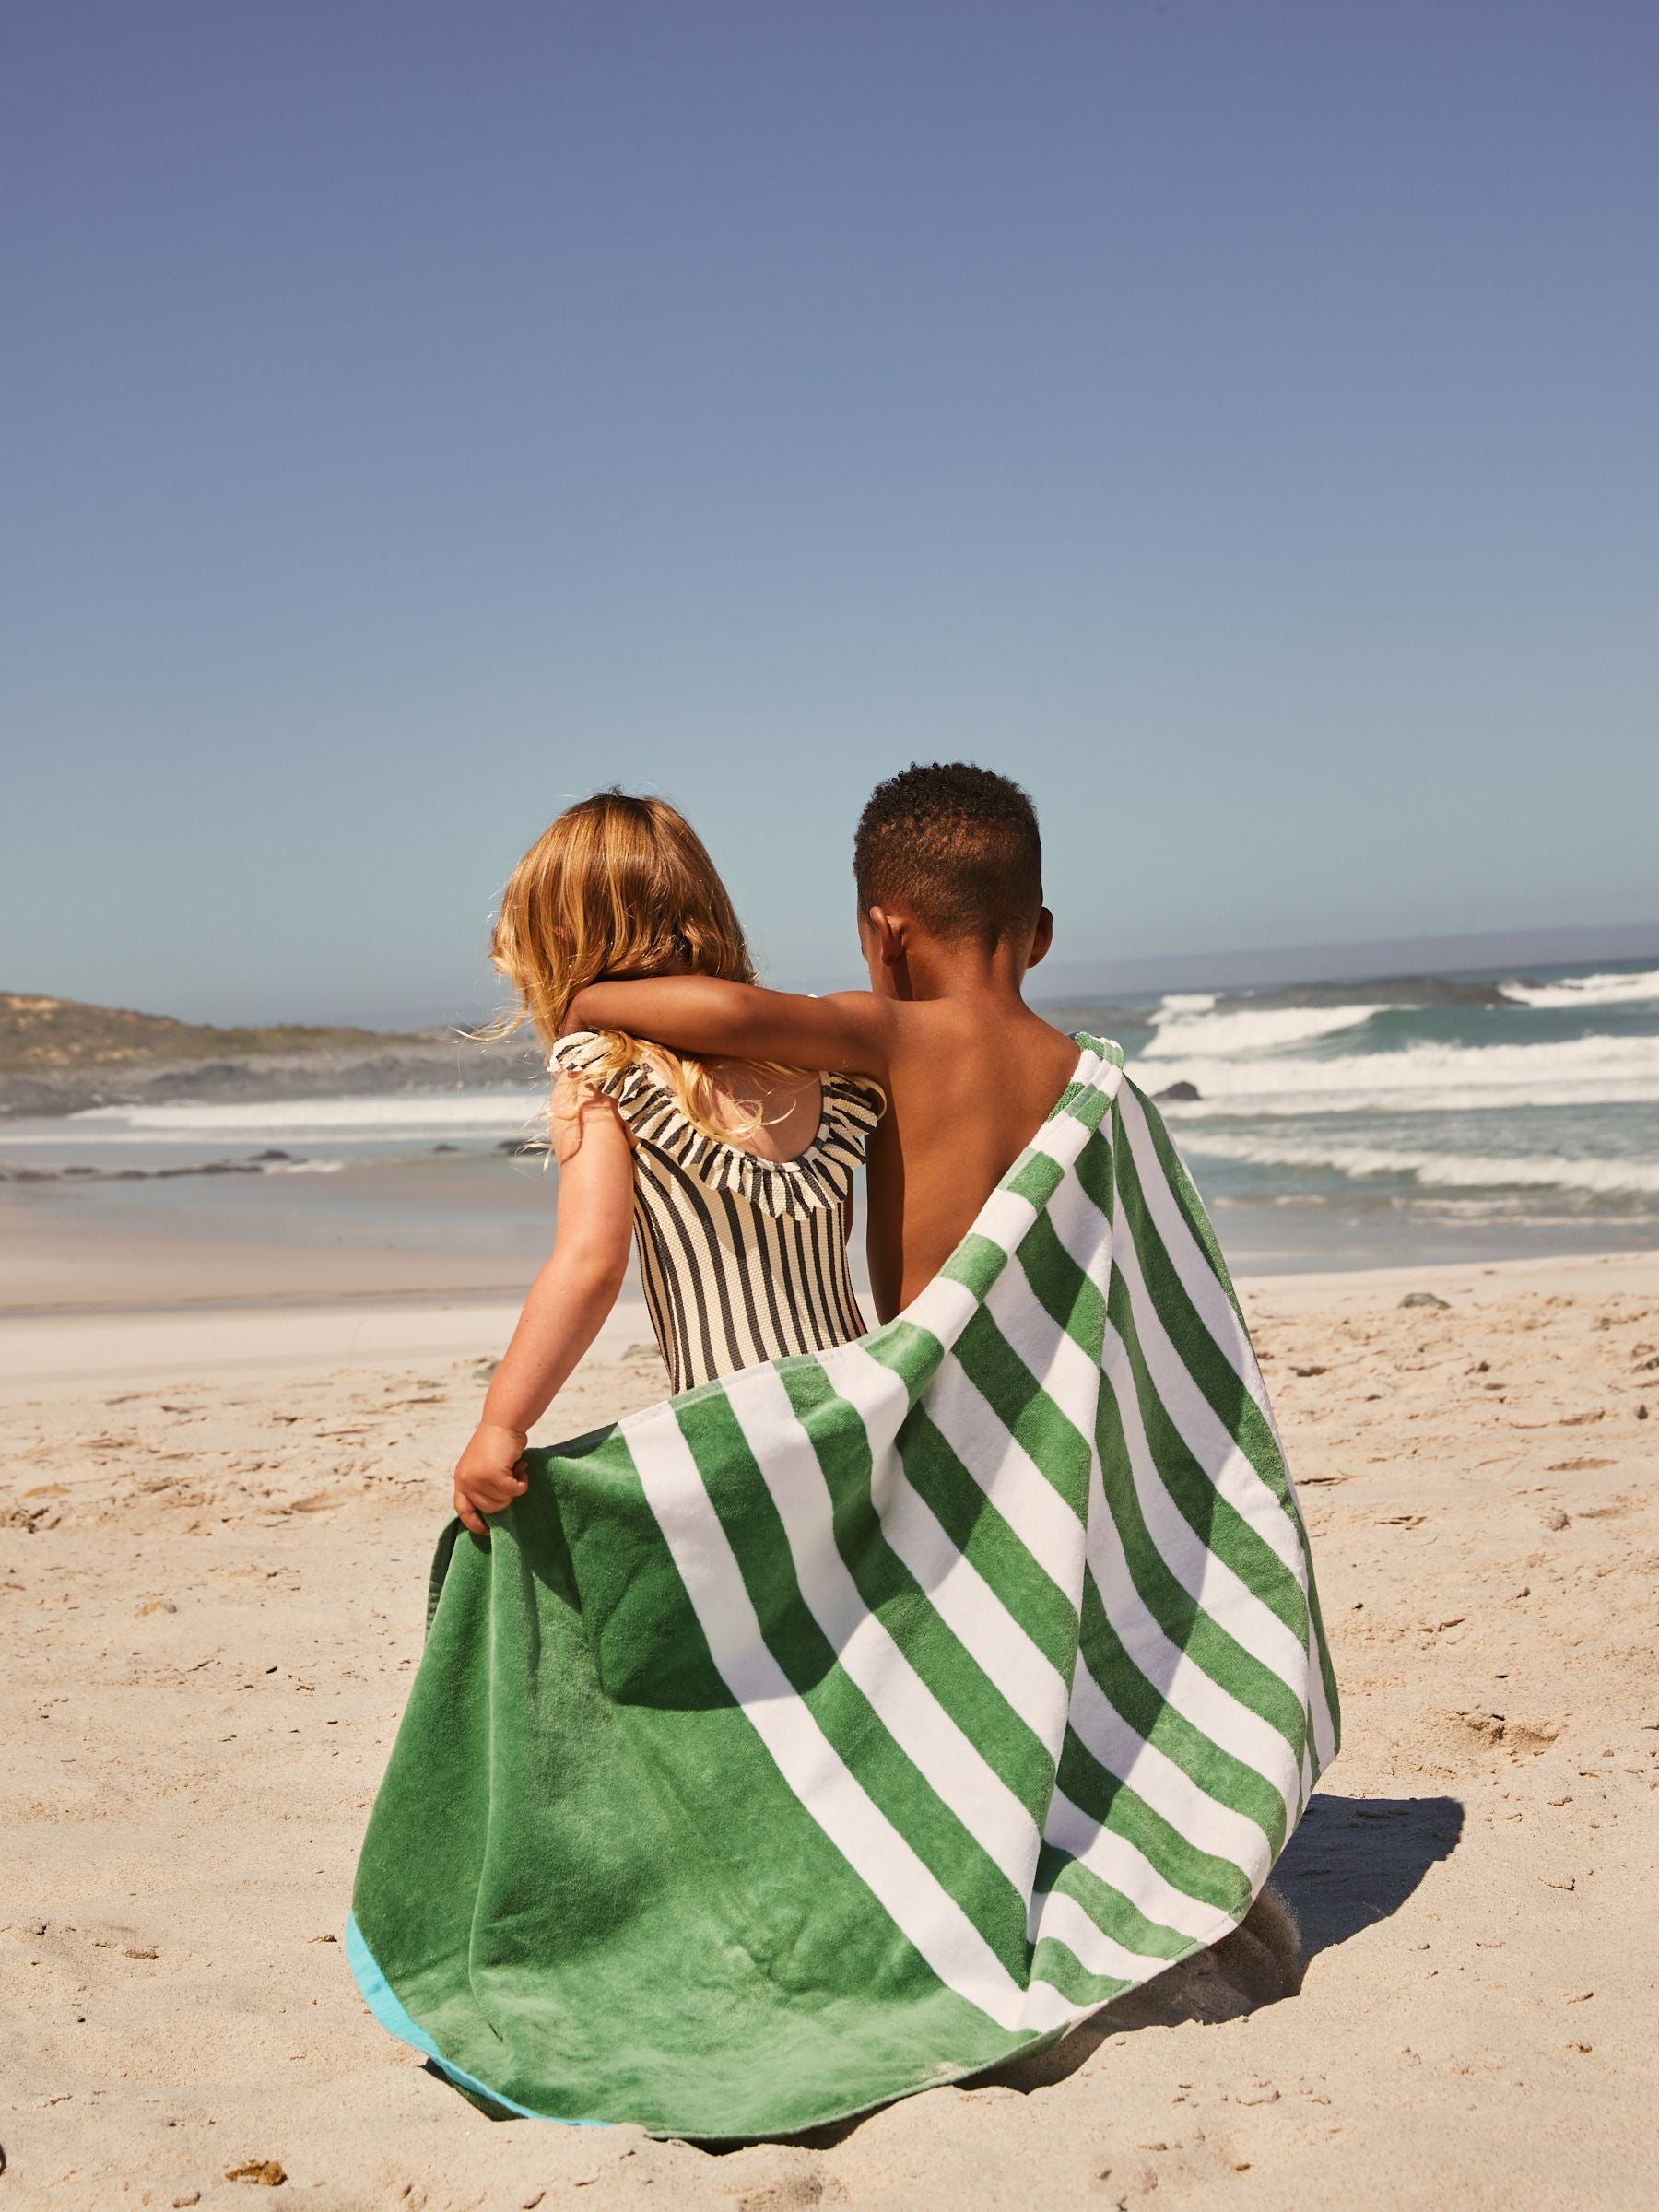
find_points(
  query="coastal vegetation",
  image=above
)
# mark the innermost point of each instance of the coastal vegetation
(59, 1056)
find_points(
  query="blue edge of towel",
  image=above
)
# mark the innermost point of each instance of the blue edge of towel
(382, 2002)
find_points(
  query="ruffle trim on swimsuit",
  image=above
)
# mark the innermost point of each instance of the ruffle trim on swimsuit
(821, 1176)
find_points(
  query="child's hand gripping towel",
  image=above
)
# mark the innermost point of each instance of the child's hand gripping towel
(861, 1720)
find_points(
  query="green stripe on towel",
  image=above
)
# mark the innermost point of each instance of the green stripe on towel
(854, 1723)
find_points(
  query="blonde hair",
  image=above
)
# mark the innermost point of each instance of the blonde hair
(618, 888)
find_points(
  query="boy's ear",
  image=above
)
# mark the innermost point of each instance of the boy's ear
(1043, 936)
(887, 932)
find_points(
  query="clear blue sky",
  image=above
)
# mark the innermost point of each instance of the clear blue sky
(1235, 418)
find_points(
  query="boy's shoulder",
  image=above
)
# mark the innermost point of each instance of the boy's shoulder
(978, 1028)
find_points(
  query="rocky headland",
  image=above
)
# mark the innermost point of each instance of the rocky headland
(58, 1057)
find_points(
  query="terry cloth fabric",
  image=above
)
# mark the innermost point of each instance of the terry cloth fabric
(865, 1719)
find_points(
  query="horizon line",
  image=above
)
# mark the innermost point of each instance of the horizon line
(1364, 959)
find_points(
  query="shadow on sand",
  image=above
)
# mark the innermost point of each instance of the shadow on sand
(1356, 1860)
(1353, 1861)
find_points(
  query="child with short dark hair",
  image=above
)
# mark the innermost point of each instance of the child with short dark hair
(948, 863)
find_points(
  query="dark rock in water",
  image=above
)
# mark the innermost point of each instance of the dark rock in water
(271, 1152)
(1425, 1297)
(77, 1171)
(446, 1147)
(1178, 1094)
(130, 1175)
(212, 1166)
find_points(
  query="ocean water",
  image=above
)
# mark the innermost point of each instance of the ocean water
(1423, 1118)
(1443, 1117)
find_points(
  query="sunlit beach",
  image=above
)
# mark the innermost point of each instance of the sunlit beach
(828, 1107)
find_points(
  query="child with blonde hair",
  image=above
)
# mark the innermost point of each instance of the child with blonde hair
(733, 1176)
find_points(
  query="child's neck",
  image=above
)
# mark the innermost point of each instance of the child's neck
(933, 969)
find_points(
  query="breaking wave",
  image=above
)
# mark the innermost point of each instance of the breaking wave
(415, 1113)
(1437, 1170)
(1188, 1024)
(1445, 1078)
(1588, 991)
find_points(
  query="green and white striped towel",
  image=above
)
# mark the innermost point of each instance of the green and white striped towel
(861, 1720)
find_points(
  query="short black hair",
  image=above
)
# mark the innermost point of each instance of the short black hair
(955, 846)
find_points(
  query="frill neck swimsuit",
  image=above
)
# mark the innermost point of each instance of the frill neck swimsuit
(742, 1260)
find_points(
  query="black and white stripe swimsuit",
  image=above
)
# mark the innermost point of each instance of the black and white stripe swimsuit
(742, 1260)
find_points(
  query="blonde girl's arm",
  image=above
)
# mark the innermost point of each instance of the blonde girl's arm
(568, 1302)
(845, 1032)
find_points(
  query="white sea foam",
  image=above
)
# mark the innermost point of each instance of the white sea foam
(1185, 1026)
(1588, 991)
(484, 1113)
(1439, 1171)
(1450, 1078)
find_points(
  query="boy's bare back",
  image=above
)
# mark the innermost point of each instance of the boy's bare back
(970, 1081)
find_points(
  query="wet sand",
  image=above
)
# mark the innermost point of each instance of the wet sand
(398, 1232)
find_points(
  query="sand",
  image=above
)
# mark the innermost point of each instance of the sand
(272, 1241)
(212, 1572)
